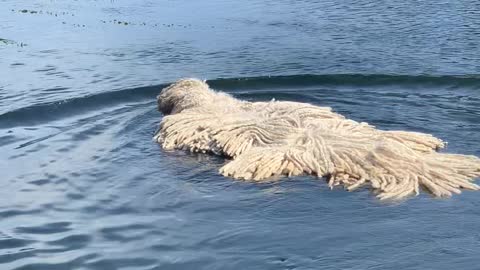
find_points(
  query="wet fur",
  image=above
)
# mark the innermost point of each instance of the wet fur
(267, 139)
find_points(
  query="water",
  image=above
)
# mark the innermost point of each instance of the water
(84, 186)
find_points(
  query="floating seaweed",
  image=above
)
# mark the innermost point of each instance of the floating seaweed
(6, 41)
(11, 42)
(114, 21)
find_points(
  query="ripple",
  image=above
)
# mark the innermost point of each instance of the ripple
(48, 228)
(14, 212)
(71, 242)
(122, 263)
(40, 182)
(125, 233)
(10, 243)
(15, 256)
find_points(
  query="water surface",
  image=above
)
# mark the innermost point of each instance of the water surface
(85, 187)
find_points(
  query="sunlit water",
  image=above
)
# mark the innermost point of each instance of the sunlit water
(83, 186)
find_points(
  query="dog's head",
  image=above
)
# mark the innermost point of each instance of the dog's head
(183, 94)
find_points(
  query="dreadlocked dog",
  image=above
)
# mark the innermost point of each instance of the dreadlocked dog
(265, 140)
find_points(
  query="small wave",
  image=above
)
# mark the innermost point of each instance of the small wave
(470, 81)
(46, 112)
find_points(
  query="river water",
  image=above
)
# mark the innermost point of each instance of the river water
(83, 186)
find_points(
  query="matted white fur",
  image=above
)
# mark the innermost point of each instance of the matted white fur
(266, 139)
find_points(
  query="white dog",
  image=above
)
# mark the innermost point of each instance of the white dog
(266, 139)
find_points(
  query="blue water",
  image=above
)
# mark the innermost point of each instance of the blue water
(83, 186)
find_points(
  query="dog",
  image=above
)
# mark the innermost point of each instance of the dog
(266, 140)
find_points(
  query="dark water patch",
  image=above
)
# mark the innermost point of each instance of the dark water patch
(48, 228)
(46, 69)
(126, 233)
(206, 261)
(8, 139)
(42, 113)
(15, 212)
(122, 210)
(36, 140)
(75, 196)
(11, 243)
(40, 182)
(36, 148)
(65, 264)
(15, 256)
(118, 263)
(72, 242)
(49, 52)
(357, 80)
